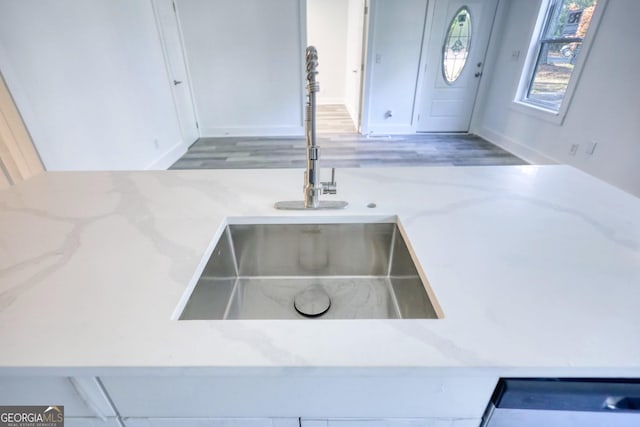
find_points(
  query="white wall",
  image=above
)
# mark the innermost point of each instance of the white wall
(395, 42)
(327, 31)
(89, 79)
(246, 64)
(604, 108)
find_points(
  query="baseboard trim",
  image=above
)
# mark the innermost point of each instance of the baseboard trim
(258, 131)
(391, 130)
(516, 148)
(169, 157)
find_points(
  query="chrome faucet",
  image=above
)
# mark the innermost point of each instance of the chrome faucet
(312, 185)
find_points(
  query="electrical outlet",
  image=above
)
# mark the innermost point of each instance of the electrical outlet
(378, 58)
(156, 143)
(515, 54)
(591, 147)
(574, 149)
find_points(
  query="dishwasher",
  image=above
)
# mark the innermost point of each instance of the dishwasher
(564, 403)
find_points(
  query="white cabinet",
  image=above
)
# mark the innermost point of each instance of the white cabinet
(210, 422)
(257, 401)
(44, 391)
(84, 401)
(91, 422)
(294, 393)
(398, 422)
(293, 422)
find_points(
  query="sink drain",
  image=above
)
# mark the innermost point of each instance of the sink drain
(312, 302)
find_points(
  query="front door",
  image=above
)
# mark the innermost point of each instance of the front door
(456, 47)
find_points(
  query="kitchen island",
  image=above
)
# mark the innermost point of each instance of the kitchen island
(536, 270)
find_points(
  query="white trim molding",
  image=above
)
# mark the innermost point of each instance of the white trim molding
(252, 131)
(516, 148)
(406, 129)
(169, 157)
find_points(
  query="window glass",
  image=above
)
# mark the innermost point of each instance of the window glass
(558, 49)
(456, 45)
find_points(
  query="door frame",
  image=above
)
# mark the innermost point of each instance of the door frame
(364, 85)
(365, 92)
(19, 157)
(302, 23)
(364, 70)
(422, 68)
(370, 31)
(165, 54)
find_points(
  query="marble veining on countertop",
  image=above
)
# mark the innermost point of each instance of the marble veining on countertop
(535, 267)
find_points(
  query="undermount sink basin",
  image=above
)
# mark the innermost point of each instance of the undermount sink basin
(323, 271)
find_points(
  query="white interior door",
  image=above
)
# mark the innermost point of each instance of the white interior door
(169, 29)
(355, 58)
(456, 47)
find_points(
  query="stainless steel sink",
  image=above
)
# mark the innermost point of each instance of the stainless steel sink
(324, 271)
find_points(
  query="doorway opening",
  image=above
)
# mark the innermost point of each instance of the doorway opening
(337, 29)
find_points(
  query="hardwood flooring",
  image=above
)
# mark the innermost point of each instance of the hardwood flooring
(345, 150)
(333, 118)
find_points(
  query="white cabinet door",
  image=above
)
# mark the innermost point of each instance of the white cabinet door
(321, 397)
(211, 422)
(91, 422)
(80, 397)
(399, 422)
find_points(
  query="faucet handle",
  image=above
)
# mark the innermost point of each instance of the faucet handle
(330, 187)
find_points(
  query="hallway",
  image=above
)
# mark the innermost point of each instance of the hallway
(333, 118)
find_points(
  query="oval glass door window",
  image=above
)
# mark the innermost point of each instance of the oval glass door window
(456, 45)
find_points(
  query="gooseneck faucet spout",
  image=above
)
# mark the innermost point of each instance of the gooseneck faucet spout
(312, 185)
(312, 175)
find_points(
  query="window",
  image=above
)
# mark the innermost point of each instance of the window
(556, 52)
(456, 45)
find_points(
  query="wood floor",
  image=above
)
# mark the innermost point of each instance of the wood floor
(333, 118)
(345, 150)
(341, 146)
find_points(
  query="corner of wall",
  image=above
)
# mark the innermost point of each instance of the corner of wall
(516, 148)
(490, 60)
(168, 158)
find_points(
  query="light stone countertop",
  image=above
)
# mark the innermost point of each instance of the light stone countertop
(537, 270)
